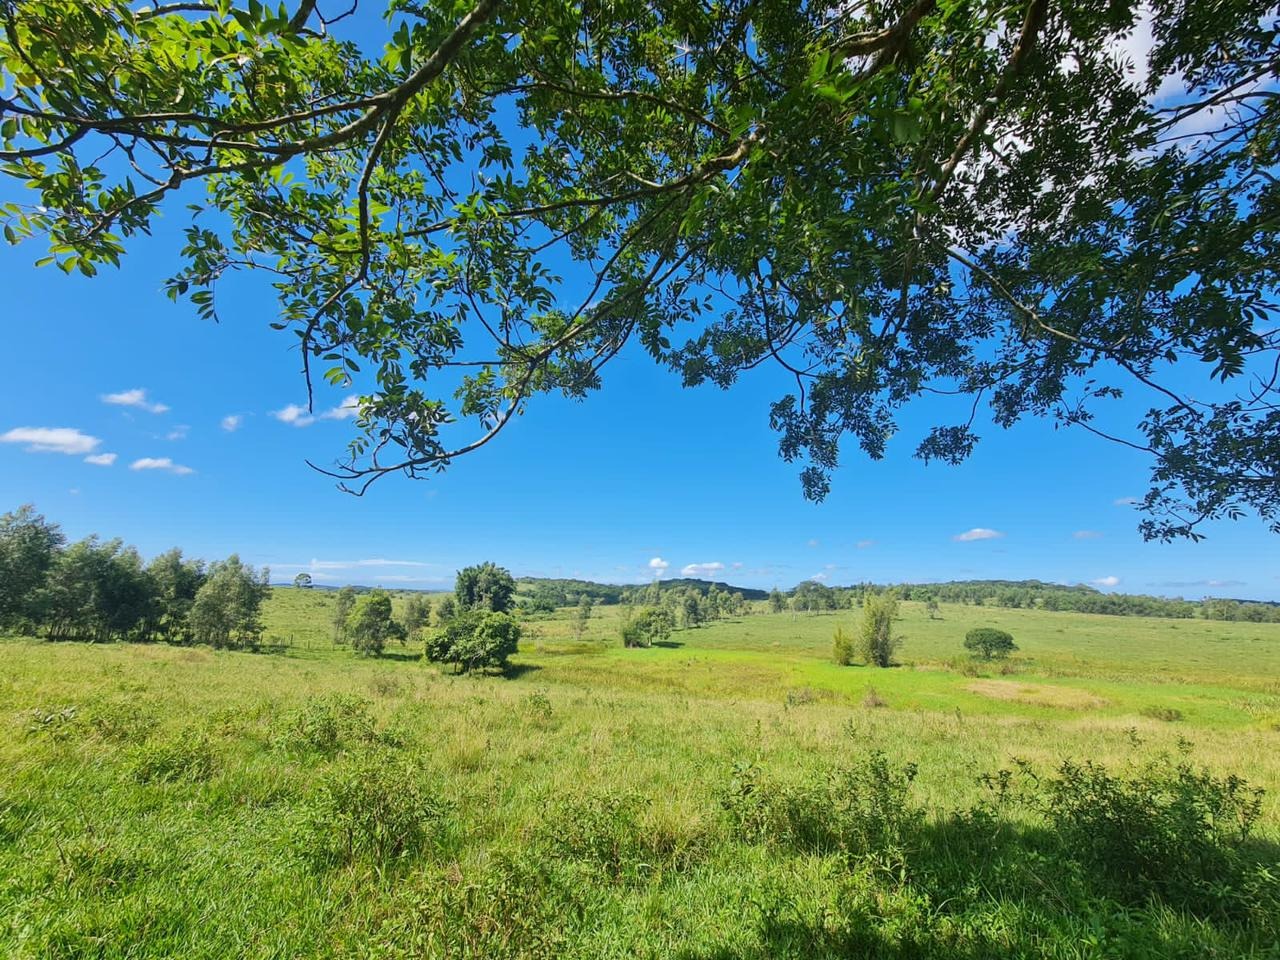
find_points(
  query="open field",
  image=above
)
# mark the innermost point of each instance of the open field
(678, 801)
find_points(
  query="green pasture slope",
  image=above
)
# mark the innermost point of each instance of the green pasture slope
(733, 794)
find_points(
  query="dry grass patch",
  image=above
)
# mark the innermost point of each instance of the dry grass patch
(1037, 694)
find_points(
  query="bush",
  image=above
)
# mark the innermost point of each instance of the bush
(864, 810)
(376, 807)
(1167, 829)
(328, 724)
(989, 643)
(645, 627)
(475, 640)
(842, 647)
(876, 642)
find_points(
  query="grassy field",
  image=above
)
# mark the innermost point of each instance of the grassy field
(731, 794)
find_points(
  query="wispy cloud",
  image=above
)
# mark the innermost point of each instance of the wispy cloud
(865, 544)
(101, 459)
(1087, 535)
(701, 569)
(231, 423)
(977, 533)
(160, 463)
(52, 440)
(812, 543)
(179, 432)
(1112, 581)
(819, 577)
(1125, 501)
(316, 564)
(136, 398)
(658, 566)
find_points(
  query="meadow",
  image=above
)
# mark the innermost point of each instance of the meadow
(729, 793)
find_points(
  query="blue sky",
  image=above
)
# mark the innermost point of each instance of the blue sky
(645, 476)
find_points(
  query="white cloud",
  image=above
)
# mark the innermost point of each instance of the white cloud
(658, 566)
(701, 569)
(351, 564)
(101, 459)
(1106, 581)
(812, 543)
(134, 398)
(52, 440)
(1126, 501)
(864, 544)
(1087, 535)
(294, 415)
(160, 463)
(297, 415)
(819, 577)
(231, 423)
(977, 533)
(343, 411)
(178, 433)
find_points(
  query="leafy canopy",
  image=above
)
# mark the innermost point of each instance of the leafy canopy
(967, 198)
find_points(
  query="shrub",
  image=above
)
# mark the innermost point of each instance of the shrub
(1167, 714)
(376, 807)
(871, 699)
(864, 810)
(989, 643)
(328, 724)
(876, 642)
(370, 625)
(646, 626)
(475, 640)
(842, 647)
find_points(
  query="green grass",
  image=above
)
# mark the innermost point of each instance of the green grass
(169, 802)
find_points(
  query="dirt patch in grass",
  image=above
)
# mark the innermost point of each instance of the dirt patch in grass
(1037, 694)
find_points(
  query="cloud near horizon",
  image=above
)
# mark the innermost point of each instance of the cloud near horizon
(52, 440)
(161, 463)
(1112, 581)
(136, 398)
(977, 533)
(658, 566)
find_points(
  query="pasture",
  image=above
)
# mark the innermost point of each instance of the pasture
(730, 793)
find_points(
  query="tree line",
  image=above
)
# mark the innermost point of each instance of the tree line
(101, 590)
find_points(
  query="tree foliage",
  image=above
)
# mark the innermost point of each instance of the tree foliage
(989, 643)
(880, 201)
(29, 546)
(486, 586)
(474, 640)
(370, 624)
(875, 641)
(646, 626)
(227, 608)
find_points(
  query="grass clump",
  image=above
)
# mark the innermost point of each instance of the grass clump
(1166, 714)
(189, 757)
(328, 725)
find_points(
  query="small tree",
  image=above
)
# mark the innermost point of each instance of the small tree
(485, 587)
(931, 608)
(371, 625)
(842, 647)
(989, 643)
(474, 640)
(446, 610)
(876, 642)
(341, 611)
(303, 581)
(581, 616)
(645, 627)
(777, 602)
(417, 614)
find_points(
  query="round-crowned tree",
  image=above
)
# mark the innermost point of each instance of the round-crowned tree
(989, 643)
(475, 640)
(485, 586)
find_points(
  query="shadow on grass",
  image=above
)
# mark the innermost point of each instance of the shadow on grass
(668, 644)
(515, 671)
(400, 657)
